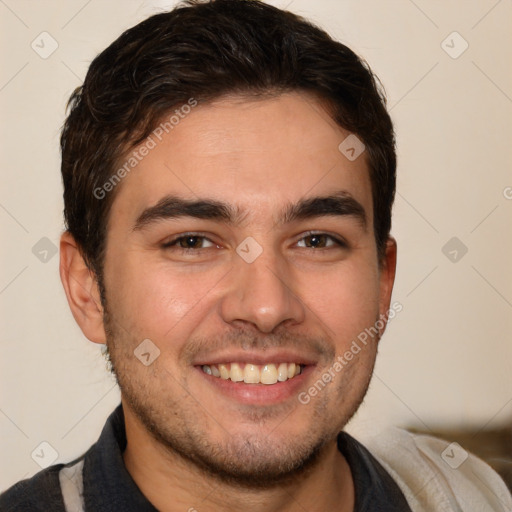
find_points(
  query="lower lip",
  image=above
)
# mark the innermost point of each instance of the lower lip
(259, 394)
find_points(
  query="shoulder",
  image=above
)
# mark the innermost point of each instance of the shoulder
(437, 475)
(40, 493)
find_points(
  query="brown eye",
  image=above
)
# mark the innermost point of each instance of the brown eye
(189, 242)
(319, 241)
(316, 241)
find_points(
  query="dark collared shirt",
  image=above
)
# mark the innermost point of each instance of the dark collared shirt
(107, 485)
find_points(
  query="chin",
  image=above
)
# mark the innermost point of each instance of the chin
(253, 462)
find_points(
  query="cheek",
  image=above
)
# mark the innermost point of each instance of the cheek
(345, 299)
(153, 300)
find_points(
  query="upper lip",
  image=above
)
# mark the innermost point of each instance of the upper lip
(269, 356)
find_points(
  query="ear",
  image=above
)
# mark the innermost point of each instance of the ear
(81, 289)
(387, 277)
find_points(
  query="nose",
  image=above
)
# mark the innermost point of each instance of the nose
(261, 293)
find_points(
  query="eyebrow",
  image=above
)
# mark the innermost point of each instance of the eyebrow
(339, 204)
(173, 207)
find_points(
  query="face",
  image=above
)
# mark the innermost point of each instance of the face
(242, 246)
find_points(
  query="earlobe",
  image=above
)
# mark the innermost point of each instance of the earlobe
(81, 287)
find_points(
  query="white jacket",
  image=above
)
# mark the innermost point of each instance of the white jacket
(437, 476)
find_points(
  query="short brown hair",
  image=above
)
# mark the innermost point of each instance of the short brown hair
(205, 50)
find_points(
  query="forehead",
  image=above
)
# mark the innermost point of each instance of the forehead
(253, 153)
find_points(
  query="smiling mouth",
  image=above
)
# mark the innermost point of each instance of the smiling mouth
(253, 373)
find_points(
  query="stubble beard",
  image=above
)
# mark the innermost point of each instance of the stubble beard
(251, 462)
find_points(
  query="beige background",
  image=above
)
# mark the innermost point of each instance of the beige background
(446, 358)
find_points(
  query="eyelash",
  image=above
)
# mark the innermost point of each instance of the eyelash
(337, 241)
(340, 243)
(175, 241)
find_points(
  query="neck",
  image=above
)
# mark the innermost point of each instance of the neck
(172, 483)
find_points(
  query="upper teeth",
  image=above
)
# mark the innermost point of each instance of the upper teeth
(253, 373)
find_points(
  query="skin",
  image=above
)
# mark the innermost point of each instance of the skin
(190, 442)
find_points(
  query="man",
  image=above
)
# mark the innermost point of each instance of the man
(229, 173)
